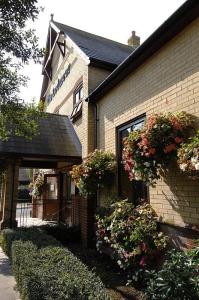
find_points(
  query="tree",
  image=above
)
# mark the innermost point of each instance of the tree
(18, 45)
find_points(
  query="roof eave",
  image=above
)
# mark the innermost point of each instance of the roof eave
(94, 62)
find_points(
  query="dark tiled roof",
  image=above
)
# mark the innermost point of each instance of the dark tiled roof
(97, 47)
(56, 137)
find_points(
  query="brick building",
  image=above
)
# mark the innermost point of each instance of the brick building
(108, 89)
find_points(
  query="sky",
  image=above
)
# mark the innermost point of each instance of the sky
(113, 19)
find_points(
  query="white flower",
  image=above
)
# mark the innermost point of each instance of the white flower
(197, 166)
(194, 160)
(147, 164)
(119, 262)
(183, 167)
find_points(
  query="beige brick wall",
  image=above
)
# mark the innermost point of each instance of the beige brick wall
(168, 81)
(96, 76)
(62, 102)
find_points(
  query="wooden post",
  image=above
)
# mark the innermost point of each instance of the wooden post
(10, 195)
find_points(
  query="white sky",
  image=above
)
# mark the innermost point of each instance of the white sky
(108, 18)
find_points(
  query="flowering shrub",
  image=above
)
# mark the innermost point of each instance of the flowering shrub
(96, 171)
(148, 150)
(188, 157)
(131, 233)
(37, 186)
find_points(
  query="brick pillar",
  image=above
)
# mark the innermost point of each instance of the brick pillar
(87, 221)
(10, 195)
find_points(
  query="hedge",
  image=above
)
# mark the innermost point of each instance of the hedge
(45, 270)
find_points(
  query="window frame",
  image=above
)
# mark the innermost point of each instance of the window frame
(77, 106)
(119, 147)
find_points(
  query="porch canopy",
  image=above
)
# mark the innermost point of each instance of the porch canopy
(56, 142)
(55, 146)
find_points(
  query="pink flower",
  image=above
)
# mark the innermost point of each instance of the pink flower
(127, 167)
(145, 142)
(142, 262)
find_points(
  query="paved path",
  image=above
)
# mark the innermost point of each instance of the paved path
(7, 281)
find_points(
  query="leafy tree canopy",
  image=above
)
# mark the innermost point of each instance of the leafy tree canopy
(18, 45)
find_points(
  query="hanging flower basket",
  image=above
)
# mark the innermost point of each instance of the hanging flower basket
(188, 157)
(146, 152)
(97, 171)
(36, 188)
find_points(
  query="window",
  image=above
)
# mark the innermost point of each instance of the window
(77, 102)
(135, 190)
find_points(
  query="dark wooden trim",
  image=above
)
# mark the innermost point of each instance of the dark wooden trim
(94, 62)
(60, 196)
(133, 120)
(40, 164)
(60, 45)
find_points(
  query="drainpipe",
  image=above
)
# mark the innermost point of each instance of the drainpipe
(96, 120)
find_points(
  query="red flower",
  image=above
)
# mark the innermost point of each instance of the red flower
(178, 140)
(169, 148)
(145, 142)
(152, 151)
(176, 124)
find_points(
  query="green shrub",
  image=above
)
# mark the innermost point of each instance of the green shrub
(178, 279)
(44, 270)
(36, 235)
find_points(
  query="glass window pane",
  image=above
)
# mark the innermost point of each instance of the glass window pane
(138, 125)
(81, 93)
(76, 97)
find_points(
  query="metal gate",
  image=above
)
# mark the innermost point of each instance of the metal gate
(41, 212)
(36, 213)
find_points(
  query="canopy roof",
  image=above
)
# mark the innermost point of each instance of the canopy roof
(57, 141)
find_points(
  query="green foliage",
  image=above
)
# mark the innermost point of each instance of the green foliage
(131, 233)
(45, 270)
(97, 171)
(17, 46)
(178, 279)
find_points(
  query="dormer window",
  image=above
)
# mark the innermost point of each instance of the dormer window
(77, 102)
